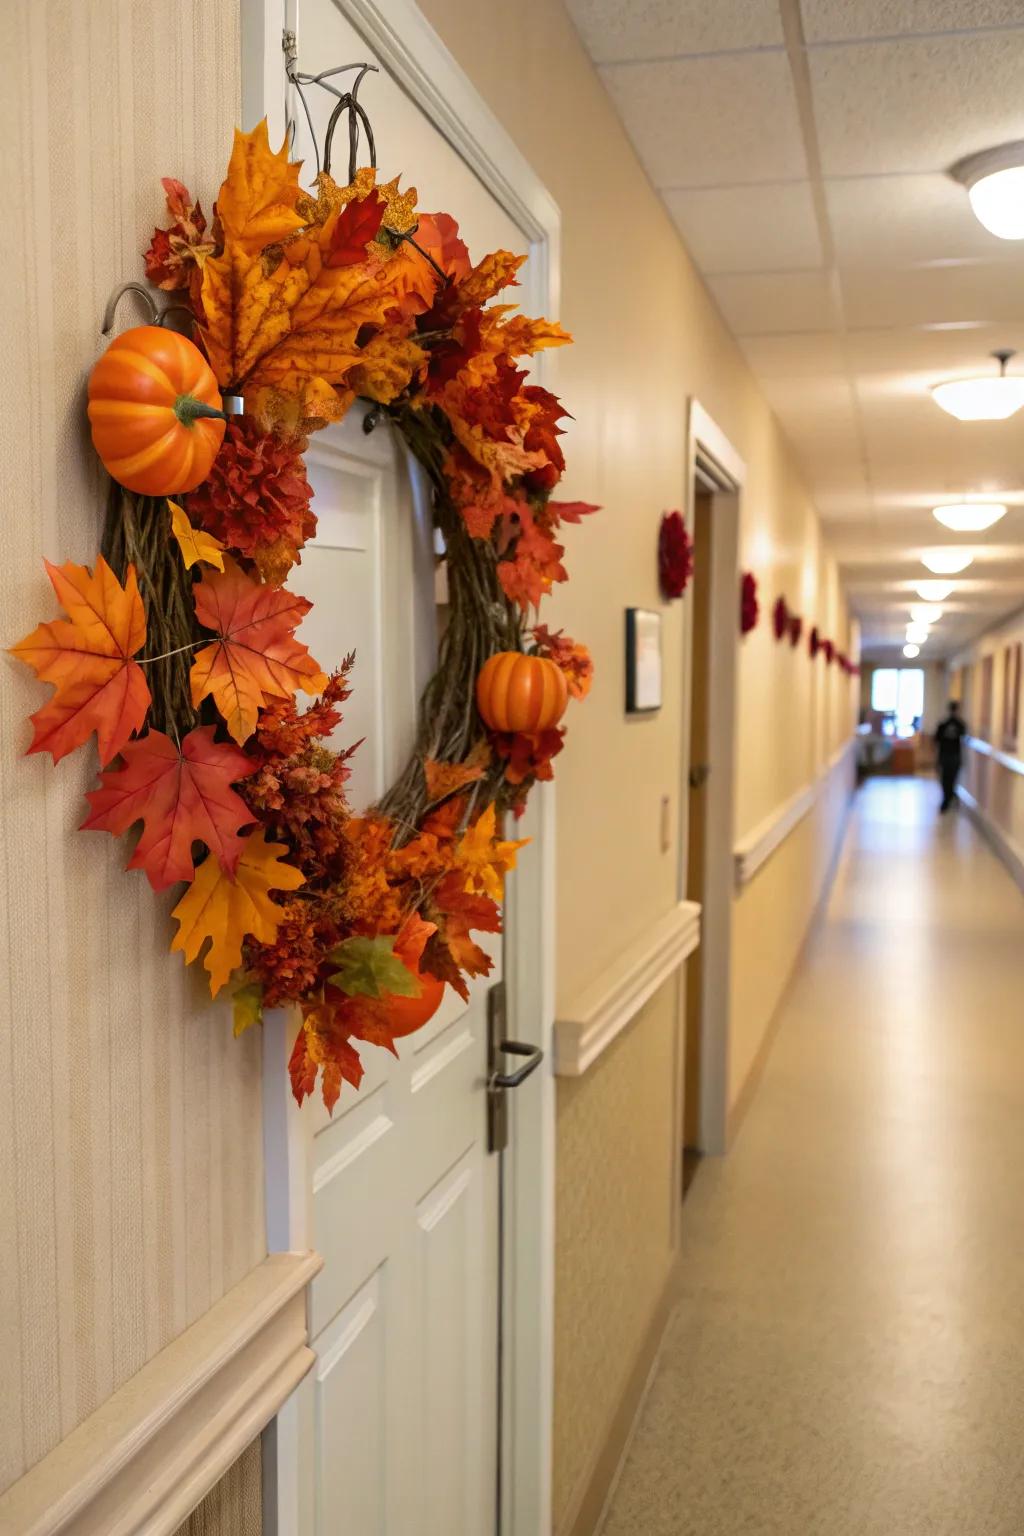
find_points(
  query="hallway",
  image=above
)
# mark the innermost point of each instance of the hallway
(845, 1357)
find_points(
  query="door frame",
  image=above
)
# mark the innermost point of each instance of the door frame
(418, 60)
(712, 461)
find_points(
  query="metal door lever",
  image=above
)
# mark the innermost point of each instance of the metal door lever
(534, 1056)
(498, 1083)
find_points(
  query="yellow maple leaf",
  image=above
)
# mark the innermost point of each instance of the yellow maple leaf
(195, 545)
(225, 910)
(256, 204)
(484, 858)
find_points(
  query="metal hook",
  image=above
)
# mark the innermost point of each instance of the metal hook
(346, 101)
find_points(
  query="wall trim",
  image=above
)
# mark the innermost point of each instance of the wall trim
(754, 850)
(603, 1009)
(1011, 854)
(1006, 759)
(144, 1460)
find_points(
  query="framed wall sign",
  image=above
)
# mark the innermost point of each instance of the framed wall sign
(643, 661)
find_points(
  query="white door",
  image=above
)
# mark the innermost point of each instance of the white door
(398, 1422)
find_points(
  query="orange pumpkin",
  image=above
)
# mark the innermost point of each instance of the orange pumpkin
(520, 693)
(407, 1014)
(154, 407)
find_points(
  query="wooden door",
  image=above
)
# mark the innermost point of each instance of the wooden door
(700, 769)
(398, 1421)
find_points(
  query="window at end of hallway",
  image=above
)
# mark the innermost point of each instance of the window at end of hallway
(898, 694)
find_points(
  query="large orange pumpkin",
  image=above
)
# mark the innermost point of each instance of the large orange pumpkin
(520, 693)
(155, 412)
(407, 1014)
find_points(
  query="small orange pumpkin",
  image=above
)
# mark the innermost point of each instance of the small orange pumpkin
(520, 693)
(155, 412)
(407, 1014)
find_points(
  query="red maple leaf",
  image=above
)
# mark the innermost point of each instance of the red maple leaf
(358, 223)
(181, 798)
(536, 564)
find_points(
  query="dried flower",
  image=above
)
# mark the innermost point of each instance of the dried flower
(256, 499)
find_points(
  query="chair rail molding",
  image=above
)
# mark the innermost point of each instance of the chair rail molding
(602, 1011)
(1000, 840)
(147, 1457)
(754, 850)
(1004, 759)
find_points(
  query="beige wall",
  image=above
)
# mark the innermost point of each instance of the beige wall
(130, 1154)
(647, 338)
(234, 1506)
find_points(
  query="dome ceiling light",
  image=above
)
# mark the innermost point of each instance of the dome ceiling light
(994, 179)
(925, 613)
(970, 516)
(934, 591)
(917, 634)
(910, 651)
(993, 397)
(946, 562)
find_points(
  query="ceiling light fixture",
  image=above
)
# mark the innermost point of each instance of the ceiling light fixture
(994, 179)
(925, 613)
(910, 651)
(946, 562)
(993, 397)
(969, 516)
(934, 591)
(917, 634)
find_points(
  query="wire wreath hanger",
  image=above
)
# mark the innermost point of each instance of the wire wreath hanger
(346, 101)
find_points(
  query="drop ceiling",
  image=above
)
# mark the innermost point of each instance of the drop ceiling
(802, 149)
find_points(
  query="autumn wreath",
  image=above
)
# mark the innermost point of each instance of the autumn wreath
(179, 649)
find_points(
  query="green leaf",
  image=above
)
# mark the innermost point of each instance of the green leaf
(370, 968)
(248, 1007)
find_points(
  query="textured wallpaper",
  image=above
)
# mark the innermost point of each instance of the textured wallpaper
(616, 1181)
(234, 1506)
(130, 1154)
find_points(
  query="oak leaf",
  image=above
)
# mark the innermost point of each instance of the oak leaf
(181, 798)
(88, 658)
(369, 967)
(225, 909)
(196, 546)
(255, 656)
(483, 859)
(488, 277)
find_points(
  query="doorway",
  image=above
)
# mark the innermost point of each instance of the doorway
(706, 862)
(429, 1405)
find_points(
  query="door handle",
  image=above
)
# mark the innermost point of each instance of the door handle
(498, 1083)
(534, 1056)
(699, 775)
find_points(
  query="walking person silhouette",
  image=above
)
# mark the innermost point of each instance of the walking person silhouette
(948, 739)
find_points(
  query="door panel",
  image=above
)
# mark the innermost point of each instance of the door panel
(402, 1406)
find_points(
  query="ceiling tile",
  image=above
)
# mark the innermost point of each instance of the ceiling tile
(880, 221)
(803, 355)
(659, 29)
(906, 296)
(828, 19)
(768, 228)
(710, 122)
(754, 303)
(918, 104)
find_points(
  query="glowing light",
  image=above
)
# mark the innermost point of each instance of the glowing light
(910, 651)
(998, 202)
(993, 397)
(917, 634)
(970, 516)
(934, 591)
(925, 613)
(946, 562)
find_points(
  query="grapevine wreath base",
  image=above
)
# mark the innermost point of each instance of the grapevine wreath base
(178, 649)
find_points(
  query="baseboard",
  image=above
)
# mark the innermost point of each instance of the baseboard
(752, 1081)
(1002, 845)
(598, 1482)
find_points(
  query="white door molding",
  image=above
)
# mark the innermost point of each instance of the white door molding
(713, 462)
(410, 50)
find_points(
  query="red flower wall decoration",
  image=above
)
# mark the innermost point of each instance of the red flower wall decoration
(815, 642)
(675, 556)
(749, 608)
(780, 618)
(796, 629)
(829, 650)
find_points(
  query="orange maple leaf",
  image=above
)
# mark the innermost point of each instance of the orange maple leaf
(256, 655)
(483, 858)
(256, 204)
(88, 658)
(443, 779)
(224, 909)
(180, 797)
(323, 1043)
